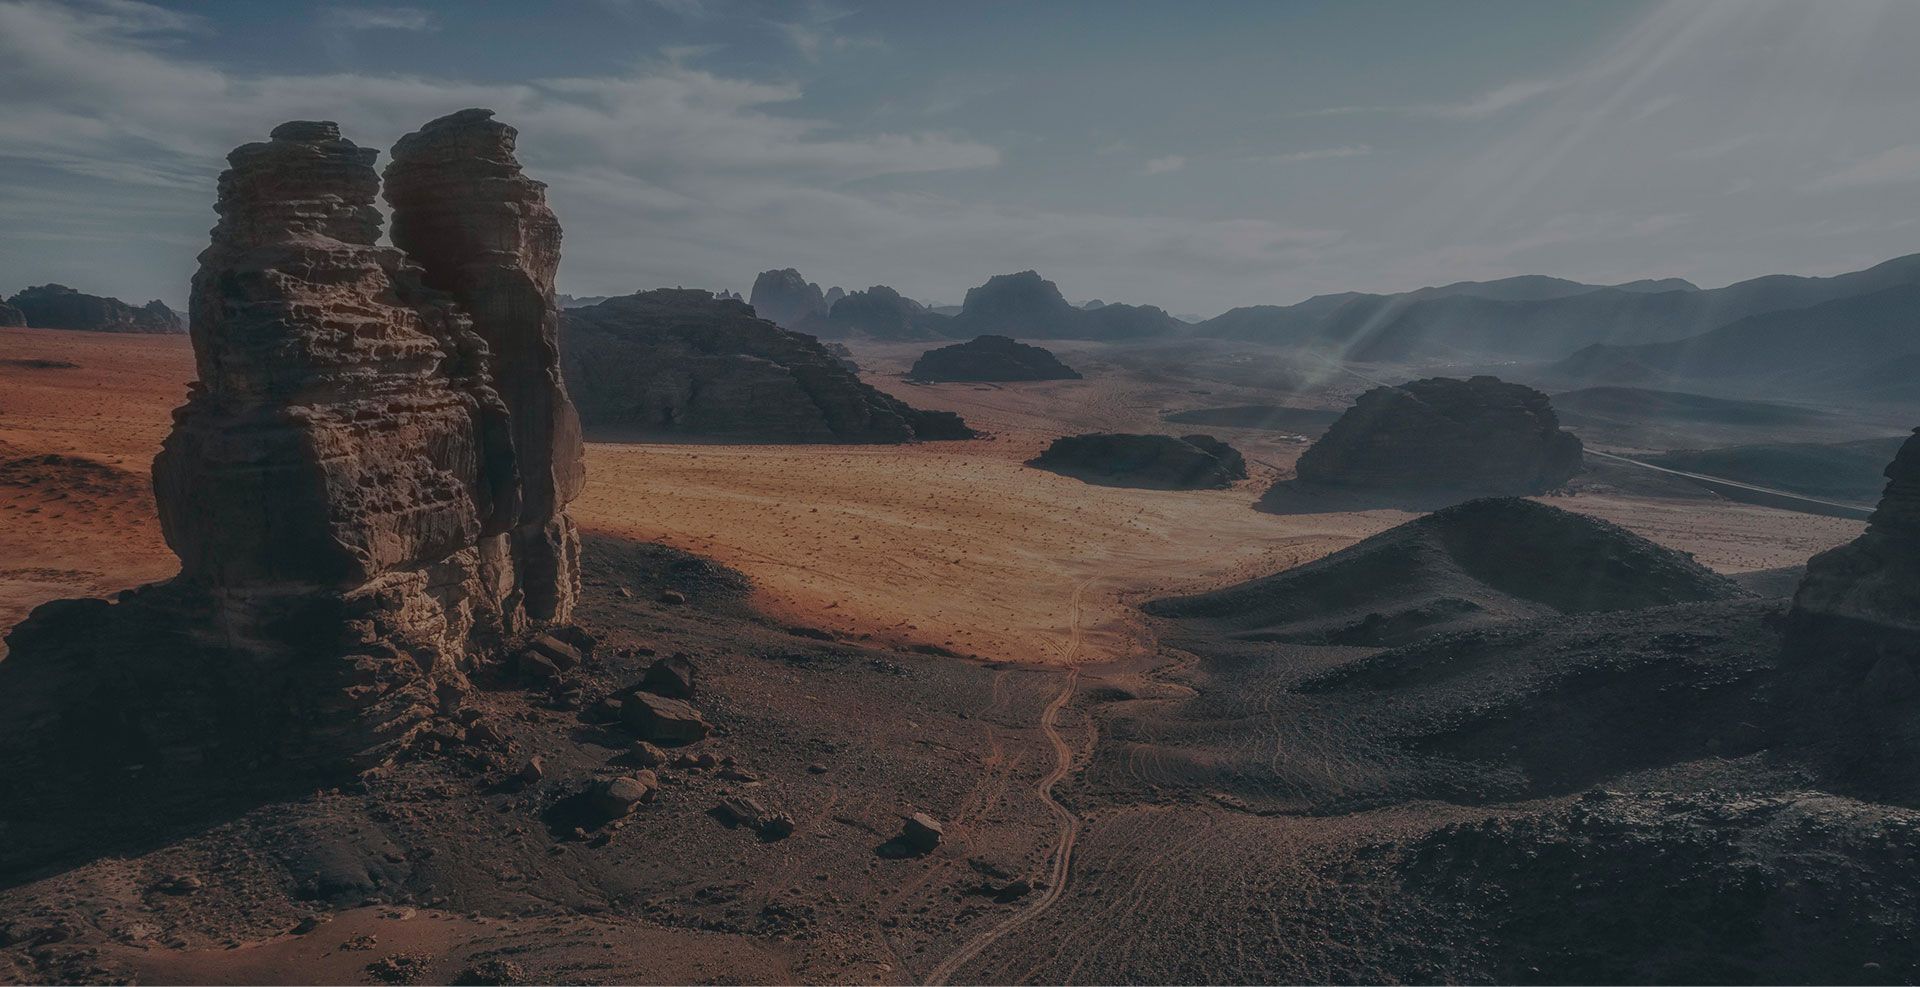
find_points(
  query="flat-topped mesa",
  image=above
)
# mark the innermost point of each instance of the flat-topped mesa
(464, 210)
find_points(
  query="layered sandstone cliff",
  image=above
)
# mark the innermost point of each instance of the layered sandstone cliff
(678, 362)
(1481, 435)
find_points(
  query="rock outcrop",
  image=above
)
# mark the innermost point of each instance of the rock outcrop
(678, 362)
(1028, 306)
(1855, 623)
(345, 484)
(10, 316)
(1160, 462)
(1481, 435)
(786, 299)
(56, 306)
(990, 358)
(463, 209)
(878, 313)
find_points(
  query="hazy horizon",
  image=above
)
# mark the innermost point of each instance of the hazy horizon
(1259, 154)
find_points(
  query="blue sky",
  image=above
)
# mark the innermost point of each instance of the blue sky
(1196, 156)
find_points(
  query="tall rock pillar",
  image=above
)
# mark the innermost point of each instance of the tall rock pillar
(464, 210)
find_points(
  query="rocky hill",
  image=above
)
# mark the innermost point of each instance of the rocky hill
(1827, 349)
(1542, 318)
(990, 358)
(1472, 565)
(1027, 306)
(56, 306)
(1481, 435)
(786, 299)
(1159, 462)
(678, 362)
(10, 316)
(876, 313)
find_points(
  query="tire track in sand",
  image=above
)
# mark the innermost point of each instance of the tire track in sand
(1069, 823)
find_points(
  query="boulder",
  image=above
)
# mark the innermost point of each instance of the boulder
(662, 720)
(922, 832)
(751, 813)
(1161, 462)
(990, 358)
(672, 676)
(680, 363)
(1481, 435)
(56, 306)
(646, 755)
(616, 797)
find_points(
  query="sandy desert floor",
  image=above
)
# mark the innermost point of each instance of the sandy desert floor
(952, 546)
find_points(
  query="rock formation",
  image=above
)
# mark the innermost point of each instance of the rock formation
(1481, 435)
(878, 313)
(465, 212)
(833, 296)
(1027, 306)
(10, 316)
(786, 299)
(56, 306)
(678, 362)
(357, 511)
(1855, 622)
(990, 358)
(1161, 462)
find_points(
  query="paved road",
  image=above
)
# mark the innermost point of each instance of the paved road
(1749, 493)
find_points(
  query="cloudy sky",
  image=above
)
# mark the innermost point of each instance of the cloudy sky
(1193, 156)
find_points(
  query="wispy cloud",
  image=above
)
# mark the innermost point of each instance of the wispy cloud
(817, 32)
(1893, 166)
(1166, 165)
(1487, 104)
(1318, 153)
(380, 19)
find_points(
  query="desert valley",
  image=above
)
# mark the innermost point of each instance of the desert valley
(388, 616)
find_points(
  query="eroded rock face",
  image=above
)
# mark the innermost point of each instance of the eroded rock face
(1028, 306)
(10, 316)
(1481, 435)
(991, 358)
(880, 313)
(786, 299)
(680, 362)
(344, 485)
(464, 210)
(56, 306)
(1856, 617)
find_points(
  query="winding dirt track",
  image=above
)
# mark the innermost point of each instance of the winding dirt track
(1063, 754)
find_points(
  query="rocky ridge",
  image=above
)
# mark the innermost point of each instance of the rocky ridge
(56, 306)
(786, 299)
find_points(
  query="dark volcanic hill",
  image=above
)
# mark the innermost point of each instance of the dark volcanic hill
(876, 313)
(1543, 318)
(56, 306)
(990, 358)
(1481, 434)
(1028, 306)
(786, 299)
(678, 362)
(1479, 563)
(1826, 348)
(1159, 462)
